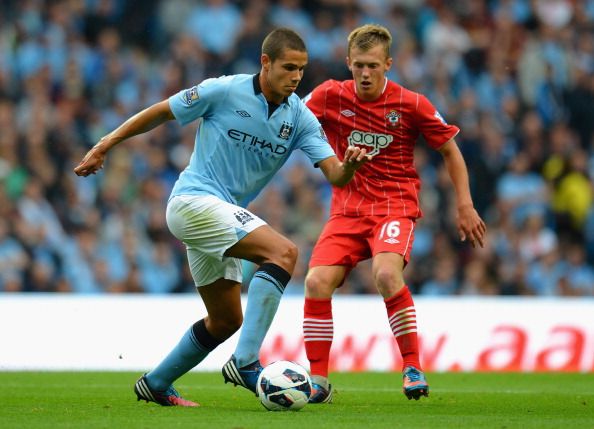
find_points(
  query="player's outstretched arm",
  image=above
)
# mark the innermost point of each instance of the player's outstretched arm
(470, 225)
(142, 122)
(340, 173)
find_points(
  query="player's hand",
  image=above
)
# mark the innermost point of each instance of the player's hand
(91, 163)
(470, 226)
(355, 157)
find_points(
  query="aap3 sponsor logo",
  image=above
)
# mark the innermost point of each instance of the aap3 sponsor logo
(373, 140)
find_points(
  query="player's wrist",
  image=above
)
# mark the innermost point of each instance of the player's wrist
(347, 172)
(349, 168)
(103, 145)
(465, 207)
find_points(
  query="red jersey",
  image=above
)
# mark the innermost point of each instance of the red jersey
(388, 129)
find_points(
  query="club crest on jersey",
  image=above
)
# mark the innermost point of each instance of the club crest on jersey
(393, 119)
(243, 217)
(191, 95)
(285, 131)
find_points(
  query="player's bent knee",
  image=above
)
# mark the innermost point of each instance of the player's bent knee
(312, 283)
(292, 252)
(287, 257)
(316, 287)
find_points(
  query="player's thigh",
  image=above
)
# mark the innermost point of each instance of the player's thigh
(264, 244)
(208, 224)
(392, 243)
(321, 281)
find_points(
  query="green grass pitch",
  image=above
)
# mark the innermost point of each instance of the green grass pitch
(363, 400)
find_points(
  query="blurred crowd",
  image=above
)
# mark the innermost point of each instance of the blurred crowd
(517, 76)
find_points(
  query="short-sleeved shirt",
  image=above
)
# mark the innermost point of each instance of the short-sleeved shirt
(239, 146)
(388, 128)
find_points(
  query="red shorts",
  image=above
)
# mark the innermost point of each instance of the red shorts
(348, 240)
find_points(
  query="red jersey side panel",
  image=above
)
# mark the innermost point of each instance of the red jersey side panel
(388, 129)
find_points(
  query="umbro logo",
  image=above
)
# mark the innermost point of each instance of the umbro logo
(348, 113)
(391, 240)
(243, 113)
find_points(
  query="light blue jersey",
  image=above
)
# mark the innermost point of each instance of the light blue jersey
(238, 148)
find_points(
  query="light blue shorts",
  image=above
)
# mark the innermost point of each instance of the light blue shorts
(208, 226)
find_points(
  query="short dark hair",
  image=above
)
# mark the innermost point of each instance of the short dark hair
(280, 40)
(368, 36)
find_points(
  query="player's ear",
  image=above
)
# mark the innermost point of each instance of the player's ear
(266, 63)
(388, 63)
(348, 63)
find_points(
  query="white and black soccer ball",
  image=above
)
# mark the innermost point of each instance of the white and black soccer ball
(284, 385)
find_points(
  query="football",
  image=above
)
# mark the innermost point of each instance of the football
(284, 385)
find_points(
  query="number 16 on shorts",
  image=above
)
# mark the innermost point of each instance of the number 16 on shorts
(395, 236)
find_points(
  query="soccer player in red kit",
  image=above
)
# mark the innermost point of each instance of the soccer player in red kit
(374, 216)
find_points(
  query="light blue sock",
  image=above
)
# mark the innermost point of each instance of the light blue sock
(264, 295)
(188, 353)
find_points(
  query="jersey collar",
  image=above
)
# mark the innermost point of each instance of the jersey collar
(258, 88)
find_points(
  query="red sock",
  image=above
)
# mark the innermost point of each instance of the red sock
(318, 332)
(403, 322)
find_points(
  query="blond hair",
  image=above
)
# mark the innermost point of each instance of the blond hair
(368, 36)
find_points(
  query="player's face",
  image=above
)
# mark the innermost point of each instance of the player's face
(369, 69)
(282, 76)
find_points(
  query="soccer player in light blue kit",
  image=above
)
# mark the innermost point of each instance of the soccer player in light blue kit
(250, 125)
